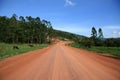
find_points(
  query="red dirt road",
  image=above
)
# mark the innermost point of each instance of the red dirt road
(59, 62)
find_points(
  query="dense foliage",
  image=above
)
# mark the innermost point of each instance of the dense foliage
(25, 30)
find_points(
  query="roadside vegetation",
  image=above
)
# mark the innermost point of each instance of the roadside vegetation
(19, 34)
(7, 50)
(25, 30)
(100, 49)
(16, 33)
(98, 43)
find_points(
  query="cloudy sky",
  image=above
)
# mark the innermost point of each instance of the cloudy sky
(76, 16)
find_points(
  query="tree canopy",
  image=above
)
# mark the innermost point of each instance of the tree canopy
(24, 29)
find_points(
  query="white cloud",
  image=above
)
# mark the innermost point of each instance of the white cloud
(116, 34)
(119, 33)
(112, 27)
(69, 3)
(111, 31)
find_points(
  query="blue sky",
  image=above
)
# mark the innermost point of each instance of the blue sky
(76, 16)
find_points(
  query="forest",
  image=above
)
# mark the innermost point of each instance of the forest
(25, 30)
(34, 30)
(28, 30)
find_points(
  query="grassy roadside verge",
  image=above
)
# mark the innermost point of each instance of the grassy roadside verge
(6, 50)
(104, 50)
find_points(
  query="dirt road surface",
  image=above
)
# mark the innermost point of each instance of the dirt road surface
(60, 62)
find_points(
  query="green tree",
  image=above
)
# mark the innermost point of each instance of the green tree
(22, 30)
(94, 36)
(94, 33)
(4, 28)
(25, 30)
(30, 31)
(50, 33)
(100, 34)
(50, 30)
(13, 28)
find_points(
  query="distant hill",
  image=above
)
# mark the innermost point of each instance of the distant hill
(113, 38)
(68, 35)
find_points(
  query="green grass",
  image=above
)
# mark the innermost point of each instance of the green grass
(104, 50)
(6, 50)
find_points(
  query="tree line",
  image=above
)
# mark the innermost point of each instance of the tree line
(34, 30)
(97, 39)
(25, 30)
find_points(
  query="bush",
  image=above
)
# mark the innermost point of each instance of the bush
(15, 47)
(111, 42)
(31, 45)
(87, 42)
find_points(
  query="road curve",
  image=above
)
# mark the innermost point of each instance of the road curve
(60, 62)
